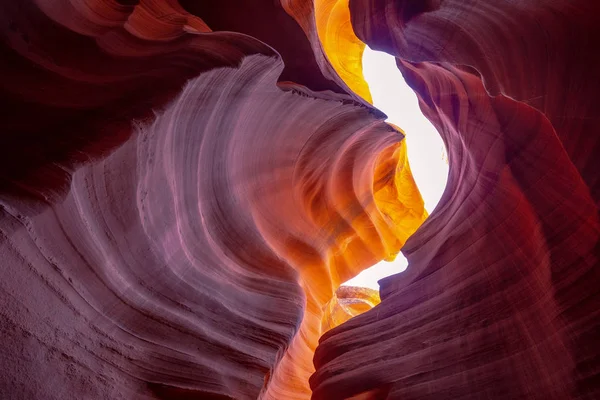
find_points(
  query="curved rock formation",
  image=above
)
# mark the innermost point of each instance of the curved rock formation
(500, 298)
(348, 302)
(184, 186)
(194, 255)
(75, 78)
(343, 49)
(171, 255)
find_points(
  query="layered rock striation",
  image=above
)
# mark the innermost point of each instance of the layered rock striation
(500, 298)
(184, 186)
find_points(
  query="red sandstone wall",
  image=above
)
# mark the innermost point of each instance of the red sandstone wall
(183, 187)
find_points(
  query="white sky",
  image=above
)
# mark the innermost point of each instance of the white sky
(426, 151)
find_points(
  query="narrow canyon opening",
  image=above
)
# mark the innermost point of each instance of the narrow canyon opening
(426, 151)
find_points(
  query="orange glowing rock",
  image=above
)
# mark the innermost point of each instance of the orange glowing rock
(336, 49)
(357, 203)
(343, 49)
(312, 172)
(184, 185)
(500, 299)
(397, 198)
(348, 302)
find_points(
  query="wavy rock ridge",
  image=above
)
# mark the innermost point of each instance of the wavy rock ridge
(173, 244)
(185, 186)
(500, 299)
(156, 259)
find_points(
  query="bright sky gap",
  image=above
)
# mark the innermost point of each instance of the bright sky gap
(425, 148)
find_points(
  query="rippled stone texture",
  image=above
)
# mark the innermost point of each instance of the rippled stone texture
(175, 222)
(500, 299)
(348, 302)
(163, 239)
(73, 80)
(168, 260)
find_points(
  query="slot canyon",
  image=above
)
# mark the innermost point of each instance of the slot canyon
(187, 187)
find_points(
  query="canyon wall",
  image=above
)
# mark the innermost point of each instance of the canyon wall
(184, 186)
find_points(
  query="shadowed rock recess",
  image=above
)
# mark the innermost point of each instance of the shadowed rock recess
(184, 186)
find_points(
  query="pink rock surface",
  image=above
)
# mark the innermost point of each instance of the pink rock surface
(169, 212)
(166, 269)
(500, 298)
